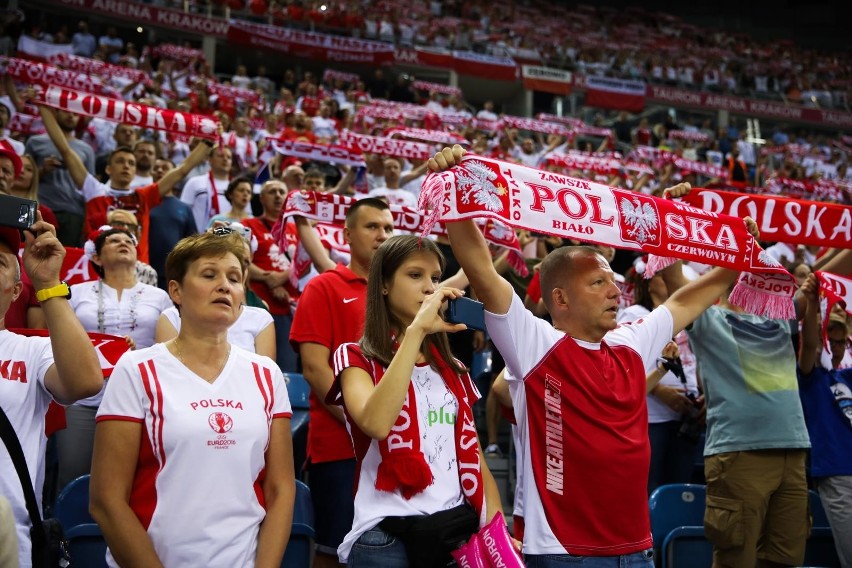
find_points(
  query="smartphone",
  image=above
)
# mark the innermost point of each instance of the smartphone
(17, 212)
(466, 311)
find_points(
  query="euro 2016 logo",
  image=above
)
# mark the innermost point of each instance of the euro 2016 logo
(220, 422)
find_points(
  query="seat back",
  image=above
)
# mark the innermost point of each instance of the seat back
(298, 552)
(72, 505)
(675, 505)
(298, 390)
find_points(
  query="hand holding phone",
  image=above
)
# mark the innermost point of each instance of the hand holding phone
(466, 311)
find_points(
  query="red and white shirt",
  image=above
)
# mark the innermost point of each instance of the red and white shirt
(197, 489)
(437, 411)
(243, 147)
(205, 194)
(24, 398)
(584, 430)
(101, 199)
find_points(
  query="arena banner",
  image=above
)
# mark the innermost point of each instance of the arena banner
(615, 94)
(462, 62)
(782, 219)
(546, 79)
(138, 13)
(539, 201)
(768, 109)
(485, 66)
(310, 45)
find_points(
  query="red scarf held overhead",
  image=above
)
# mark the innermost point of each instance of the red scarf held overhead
(545, 202)
(833, 289)
(135, 114)
(403, 467)
(331, 208)
(782, 219)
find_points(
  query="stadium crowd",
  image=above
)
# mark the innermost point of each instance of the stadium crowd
(140, 211)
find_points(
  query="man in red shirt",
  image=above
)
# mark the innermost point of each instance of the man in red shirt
(269, 272)
(121, 168)
(331, 312)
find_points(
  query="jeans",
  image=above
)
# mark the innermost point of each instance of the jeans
(377, 549)
(644, 559)
(285, 356)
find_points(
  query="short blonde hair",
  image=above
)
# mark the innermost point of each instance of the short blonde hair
(204, 245)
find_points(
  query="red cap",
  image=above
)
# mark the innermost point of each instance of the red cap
(7, 151)
(12, 238)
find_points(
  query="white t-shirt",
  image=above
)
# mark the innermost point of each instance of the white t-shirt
(136, 314)
(244, 331)
(657, 410)
(24, 398)
(437, 410)
(198, 194)
(395, 196)
(202, 451)
(141, 181)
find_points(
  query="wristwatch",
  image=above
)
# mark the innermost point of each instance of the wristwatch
(61, 290)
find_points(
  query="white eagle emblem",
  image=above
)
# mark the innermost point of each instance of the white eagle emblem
(499, 231)
(641, 217)
(300, 202)
(767, 259)
(208, 126)
(476, 181)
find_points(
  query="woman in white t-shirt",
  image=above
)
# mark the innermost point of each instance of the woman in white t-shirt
(674, 403)
(193, 461)
(116, 304)
(408, 402)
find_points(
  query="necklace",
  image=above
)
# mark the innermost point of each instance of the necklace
(179, 354)
(135, 297)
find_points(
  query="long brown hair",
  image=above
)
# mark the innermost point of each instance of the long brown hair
(380, 325)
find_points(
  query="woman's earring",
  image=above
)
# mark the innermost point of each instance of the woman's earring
(384, 292)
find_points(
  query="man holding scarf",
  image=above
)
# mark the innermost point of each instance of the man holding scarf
(584, 429)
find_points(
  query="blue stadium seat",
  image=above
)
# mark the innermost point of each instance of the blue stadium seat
(72, 505)
(677, 526)
(299, 392)
(299, 547)
(820, 549)
(86, 544)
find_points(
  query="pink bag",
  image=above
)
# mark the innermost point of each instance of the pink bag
(498, 545)
(472, 554)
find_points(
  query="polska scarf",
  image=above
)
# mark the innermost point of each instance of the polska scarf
(96, 67)
(135, 114)
(386, 146)
(577, 209)
(403, 466)
(782, 219)
(331, 209)
(436, 136)
(35, 73)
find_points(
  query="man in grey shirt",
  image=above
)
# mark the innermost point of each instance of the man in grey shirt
(56, 188)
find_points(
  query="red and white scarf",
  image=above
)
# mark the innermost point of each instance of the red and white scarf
(135, 114)
(96, 67)
(331, 75)
(403, 467)
(782, 219)
(702, 168)
(35, 73)
(688, 135)
(436, 87)
(176, 52)
(436, 136)
(331, 209)
(318, 152)
(577, 209)
(569, 121)
(233, 92)
(833, 289)
(533, 125)
(386, 146)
